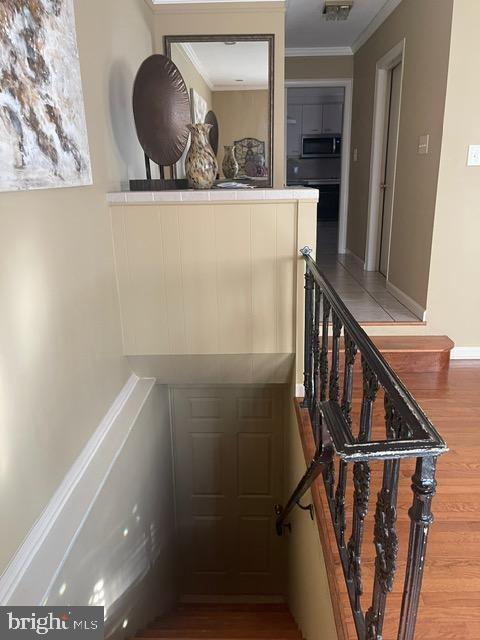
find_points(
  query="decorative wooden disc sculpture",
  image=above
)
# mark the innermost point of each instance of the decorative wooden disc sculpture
(161, 108)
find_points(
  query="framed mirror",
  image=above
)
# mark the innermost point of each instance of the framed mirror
(231, 76)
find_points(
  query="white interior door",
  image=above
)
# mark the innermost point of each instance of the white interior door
(228, 457)
(390, 158)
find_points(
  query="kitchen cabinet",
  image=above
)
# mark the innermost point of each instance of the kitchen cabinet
(332, 117)
(294, 130)
(312, 119)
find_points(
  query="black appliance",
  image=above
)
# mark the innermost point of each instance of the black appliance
(321, 146)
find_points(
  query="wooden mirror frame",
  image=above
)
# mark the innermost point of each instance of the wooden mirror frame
(257, 37)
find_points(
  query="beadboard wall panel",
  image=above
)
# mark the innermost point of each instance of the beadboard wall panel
(213, 278)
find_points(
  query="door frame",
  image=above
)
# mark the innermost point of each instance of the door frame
(390, 60)
(347, 84)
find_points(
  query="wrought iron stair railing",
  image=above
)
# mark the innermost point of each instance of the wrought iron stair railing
(408, 434)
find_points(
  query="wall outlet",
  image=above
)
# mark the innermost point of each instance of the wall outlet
(423, 144)
(474, 155)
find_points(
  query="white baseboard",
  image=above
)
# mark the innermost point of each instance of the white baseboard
(356, 258)
(35, 564)
(299, 391)
(465, 353)
(411, 305)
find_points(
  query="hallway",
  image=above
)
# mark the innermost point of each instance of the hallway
(364, 292)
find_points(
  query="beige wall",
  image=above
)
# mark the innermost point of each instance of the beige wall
(308, 590)
(61, 360)
(236, 18)
(192, 78)
(124, 553)
(318, 67)
(241, 114)
(426, 28)
(454, 294)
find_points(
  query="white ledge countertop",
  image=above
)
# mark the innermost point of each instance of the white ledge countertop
(212, 195)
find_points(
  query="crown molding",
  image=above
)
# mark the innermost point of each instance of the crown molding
(378, 20)
(161, 2)
(225, 6)
(189, 52)
(240, 87)
(309, 52)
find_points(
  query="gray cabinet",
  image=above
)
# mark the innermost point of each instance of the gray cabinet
(294, 130)
(332, 117)
(312, 119)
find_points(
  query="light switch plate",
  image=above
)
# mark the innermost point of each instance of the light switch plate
(474, 155)
(423, 144)
(355, 155)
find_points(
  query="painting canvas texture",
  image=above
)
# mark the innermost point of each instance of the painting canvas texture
(43, 134)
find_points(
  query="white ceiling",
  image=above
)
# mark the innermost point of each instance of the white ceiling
(307, 31)
(307, 28)
(222, 66)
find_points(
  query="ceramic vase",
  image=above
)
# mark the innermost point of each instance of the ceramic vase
(229, 164)
(201, 165)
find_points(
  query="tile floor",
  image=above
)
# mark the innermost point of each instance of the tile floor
(364, 292)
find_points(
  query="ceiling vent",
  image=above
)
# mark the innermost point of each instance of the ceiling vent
(337, 9)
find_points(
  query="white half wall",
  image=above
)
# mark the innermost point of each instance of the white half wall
(107, 536)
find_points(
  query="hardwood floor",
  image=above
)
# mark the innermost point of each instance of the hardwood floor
(450, 599)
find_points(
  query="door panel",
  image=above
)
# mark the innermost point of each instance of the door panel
(393, 123)
(228, 456)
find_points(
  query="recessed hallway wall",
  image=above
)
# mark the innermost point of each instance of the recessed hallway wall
(422, 109)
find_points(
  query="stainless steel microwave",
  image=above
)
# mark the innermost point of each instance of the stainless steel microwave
(321, 146)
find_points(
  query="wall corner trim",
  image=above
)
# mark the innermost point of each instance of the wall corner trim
(378, 20)
(408, 302)
(314, 52)
(35, 565)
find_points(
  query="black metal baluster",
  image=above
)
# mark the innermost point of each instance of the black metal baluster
(334, 392)
(350, 353)
(361, 483)
(308, 335)
(385, 534)
(334, 387)
(324, 351)
(423, 486)
(316, 365)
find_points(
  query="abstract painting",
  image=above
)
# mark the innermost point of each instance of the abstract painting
(43, 134)
(198, 106)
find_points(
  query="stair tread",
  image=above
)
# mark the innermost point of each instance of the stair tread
(413, 343)
(224, 621)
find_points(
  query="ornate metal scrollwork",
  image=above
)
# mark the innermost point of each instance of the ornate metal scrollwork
(361, 484)
(350, 354)
(397, 428)
(361, 494)
(370, 382)
(324, 351)
(372, 625)
(386, 540)
(329, 479)
(334, 387)
(340, 515)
